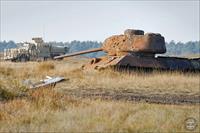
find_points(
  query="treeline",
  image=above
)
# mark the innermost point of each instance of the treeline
(7, 45)
(182, 49)
(173, 48)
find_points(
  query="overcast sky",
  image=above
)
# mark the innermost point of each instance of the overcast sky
(67, 21)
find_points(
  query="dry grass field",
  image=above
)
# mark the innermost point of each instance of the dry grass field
(66, 107)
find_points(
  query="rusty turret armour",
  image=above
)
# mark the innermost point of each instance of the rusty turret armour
(134, 41)
(136, 49)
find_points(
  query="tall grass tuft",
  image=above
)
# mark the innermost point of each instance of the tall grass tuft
(46, 66)
(5, 94)
(7, 71)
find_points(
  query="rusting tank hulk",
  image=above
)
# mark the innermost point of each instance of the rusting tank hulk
(134, 49)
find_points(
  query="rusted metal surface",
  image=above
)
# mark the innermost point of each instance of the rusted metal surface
(118, 45)
(79, 53)
(134, 49)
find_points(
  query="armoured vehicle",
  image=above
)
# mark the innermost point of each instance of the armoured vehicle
(34, 51)
(134, 49)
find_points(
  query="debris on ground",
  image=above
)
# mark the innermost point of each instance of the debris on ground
(45, 82)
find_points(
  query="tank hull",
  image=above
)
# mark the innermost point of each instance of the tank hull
(132, 61)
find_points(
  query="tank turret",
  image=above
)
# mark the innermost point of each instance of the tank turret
(134, 41)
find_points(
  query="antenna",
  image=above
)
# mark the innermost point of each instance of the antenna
(43, 30)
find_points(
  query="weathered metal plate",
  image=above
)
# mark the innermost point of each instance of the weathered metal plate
(47, 82)
(168, 63)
